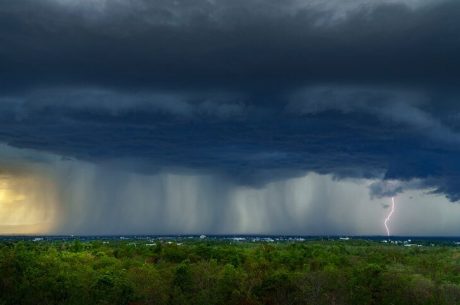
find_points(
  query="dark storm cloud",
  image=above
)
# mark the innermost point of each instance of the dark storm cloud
(252, 145)
(255, 90)
(242, 45)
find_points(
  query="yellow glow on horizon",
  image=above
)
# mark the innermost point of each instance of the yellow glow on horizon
(28, 204)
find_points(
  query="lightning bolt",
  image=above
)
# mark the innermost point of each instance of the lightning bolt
(389, 215)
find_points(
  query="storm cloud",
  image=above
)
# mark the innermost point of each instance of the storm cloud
(343, 131)
(250, 93)
(233, 45)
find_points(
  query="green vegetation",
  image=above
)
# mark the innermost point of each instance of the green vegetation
(220, 272)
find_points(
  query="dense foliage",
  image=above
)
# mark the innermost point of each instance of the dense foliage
(213, 272)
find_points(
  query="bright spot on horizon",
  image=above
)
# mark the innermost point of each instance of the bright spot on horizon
(27, 205)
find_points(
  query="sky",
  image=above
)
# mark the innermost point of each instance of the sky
(229, 117)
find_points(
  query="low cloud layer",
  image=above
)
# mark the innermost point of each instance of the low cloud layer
(359, 132)
(363, 132)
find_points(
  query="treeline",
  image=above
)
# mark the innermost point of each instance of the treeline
(200, 272)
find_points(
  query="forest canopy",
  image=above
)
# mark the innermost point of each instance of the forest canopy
(224, 272)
